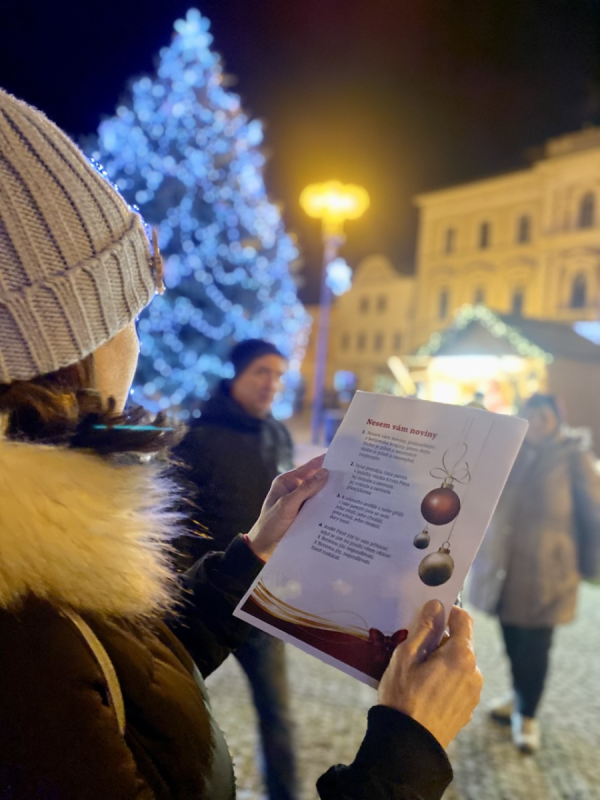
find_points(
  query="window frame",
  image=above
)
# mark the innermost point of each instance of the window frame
(443, 305)
(450, 240)
(586, 211)
(518, 291)
(524, 229)
(484, 236)
(479, 290)
(579, 283)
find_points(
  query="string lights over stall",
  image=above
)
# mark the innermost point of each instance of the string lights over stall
(482, 358)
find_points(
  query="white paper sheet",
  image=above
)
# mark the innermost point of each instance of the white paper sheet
(348, 579)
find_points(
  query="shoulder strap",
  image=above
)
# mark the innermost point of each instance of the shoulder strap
(106, 665)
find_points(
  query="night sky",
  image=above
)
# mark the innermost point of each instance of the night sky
(401, 96)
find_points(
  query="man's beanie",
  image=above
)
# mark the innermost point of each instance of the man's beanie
(75, 261)
(244, 353)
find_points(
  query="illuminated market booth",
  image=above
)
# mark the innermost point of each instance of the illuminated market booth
(497, 361)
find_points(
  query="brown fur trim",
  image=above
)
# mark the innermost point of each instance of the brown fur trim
(76, 529)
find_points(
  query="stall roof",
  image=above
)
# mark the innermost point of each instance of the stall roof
(479, 331)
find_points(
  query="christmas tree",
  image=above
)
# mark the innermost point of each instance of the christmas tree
(181, 148)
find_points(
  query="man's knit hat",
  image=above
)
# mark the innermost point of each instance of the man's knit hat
(75, 262)
(244, 353)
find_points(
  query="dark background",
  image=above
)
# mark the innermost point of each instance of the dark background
(400, 96)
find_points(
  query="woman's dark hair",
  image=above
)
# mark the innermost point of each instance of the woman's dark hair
(60, 409)
(544, 401)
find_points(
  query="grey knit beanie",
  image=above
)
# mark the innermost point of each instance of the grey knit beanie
(75, 261)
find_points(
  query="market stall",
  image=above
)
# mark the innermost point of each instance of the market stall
(498, 361)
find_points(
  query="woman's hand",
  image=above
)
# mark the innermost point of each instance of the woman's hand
(288, 493)
(439, 688)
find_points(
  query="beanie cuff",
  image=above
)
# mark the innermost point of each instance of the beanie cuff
(58, 322)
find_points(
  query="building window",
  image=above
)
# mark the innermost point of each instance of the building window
(363, 306)
(524, 229)
(397, 341)
(518, 301)
(485, 230)
(378, 342)
(361, 341)
(345, 343)
(450, 240)
(587, 208)
(381, 302)
(579, 292)
(443, 303)
(479, 296)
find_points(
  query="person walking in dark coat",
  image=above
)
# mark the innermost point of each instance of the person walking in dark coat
(528, 570)
(104, 648)
(232, 454)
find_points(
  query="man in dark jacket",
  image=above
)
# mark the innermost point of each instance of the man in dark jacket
(232, 455)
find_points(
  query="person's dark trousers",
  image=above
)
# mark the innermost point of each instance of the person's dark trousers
(528, 650)
(262, 658)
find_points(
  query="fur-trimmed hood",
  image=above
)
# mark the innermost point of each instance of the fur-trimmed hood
(78, 530)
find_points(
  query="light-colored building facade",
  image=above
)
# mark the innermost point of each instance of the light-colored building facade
(526, 243)
(370, 323)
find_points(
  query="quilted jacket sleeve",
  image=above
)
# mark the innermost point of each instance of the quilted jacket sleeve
(214, 586)
(398, 760)
(58, 733)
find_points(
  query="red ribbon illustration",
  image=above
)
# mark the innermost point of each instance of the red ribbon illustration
(365, 649)
(389, 643)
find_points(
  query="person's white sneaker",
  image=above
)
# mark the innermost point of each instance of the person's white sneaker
(525, 733)
(501, 709)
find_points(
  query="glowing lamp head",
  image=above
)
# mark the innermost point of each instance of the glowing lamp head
(334, 202)
(339, 276)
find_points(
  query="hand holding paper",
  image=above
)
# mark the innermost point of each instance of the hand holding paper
(439, 687)
(412, 486)
(288, 492)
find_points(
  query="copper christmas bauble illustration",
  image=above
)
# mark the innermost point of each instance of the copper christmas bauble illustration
(422, 540)
(437, 568)
(440, 506)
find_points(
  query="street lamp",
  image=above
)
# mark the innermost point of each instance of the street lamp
(339, 277)
(332, 203)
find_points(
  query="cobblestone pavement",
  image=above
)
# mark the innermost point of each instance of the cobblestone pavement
(330, 709)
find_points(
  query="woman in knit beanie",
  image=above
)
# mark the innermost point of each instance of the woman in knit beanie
(99, 697)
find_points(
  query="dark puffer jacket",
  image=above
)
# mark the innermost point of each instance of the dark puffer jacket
(229, 461)
(79, 533)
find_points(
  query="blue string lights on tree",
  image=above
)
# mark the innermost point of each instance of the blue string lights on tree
(182, 149)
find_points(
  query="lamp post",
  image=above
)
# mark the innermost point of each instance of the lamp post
(333, 203)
